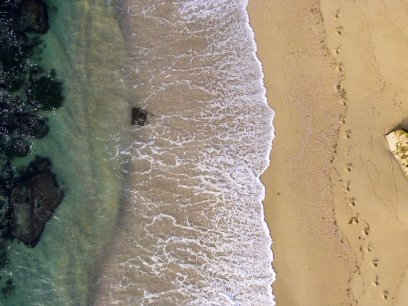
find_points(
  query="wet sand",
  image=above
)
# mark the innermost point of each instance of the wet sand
(336, 201)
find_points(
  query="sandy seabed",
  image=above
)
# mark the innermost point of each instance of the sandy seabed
(336, 203)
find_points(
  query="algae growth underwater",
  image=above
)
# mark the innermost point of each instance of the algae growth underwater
(133, 134)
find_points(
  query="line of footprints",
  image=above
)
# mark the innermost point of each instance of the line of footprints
(355, 220)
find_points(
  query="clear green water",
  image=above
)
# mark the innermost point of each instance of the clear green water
(85, 46)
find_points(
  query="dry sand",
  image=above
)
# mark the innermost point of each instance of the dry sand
(336, 74)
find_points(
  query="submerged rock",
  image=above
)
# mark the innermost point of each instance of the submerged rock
(18, 147)
(6, 179)
(33, 17)
(398, 143)
(8, 289)
(29, 124)
(139, 116)
(34, 198)
(46, 93)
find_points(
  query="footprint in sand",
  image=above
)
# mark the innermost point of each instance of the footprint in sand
(336, 51)
(354, 220)
(340, 67)
(385, 294)
(352, 202)
(347, 134)
(342, 92)
(337, 14)
(349, 167)
(374, 262)
(348, 186)
(339, 30)
(376, 282)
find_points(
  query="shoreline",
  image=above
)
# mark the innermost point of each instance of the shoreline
(334, 193)
(293, 158)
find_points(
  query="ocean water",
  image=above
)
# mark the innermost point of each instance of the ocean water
(169, 213)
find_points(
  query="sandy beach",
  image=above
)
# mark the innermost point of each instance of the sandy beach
(336, 74)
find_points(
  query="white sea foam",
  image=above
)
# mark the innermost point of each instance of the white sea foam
(192, 230)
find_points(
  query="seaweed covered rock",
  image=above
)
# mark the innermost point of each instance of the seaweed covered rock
(45, 93)
(398, 143)
(12, 63)
(18, 126)
(6, 180)
(16, 147)
(29, 124)
(33, 17)
(34, 198)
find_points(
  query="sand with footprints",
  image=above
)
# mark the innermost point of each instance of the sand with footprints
(336, 202)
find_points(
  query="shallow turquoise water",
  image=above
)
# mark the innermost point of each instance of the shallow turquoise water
(85, 49)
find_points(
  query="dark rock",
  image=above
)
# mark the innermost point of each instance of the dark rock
(45, 93)
(12, 58)
(38, 165)
(139, 116)
(18, 147)
(33, 17)
(34, 199)
(30, 125)
(35, 71)
(15, 116)
(6, 179)
(6, 122)
(5, 221)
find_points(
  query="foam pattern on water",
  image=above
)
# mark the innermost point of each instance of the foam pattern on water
(192, 230)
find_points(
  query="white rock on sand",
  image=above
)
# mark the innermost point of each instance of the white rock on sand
(398, 143)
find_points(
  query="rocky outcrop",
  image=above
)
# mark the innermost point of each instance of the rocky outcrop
(33, 17)
(398, 143)
(28, 198)
(34, 198)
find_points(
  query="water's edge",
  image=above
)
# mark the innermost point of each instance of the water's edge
(268, 156)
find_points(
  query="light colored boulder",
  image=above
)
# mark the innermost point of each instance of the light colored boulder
(398, 142)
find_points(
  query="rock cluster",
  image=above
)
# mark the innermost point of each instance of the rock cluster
(28, 198)
(25, 88)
